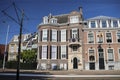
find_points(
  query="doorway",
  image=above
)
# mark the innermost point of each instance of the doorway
(101, 58)
(75, 63)
(92, 66)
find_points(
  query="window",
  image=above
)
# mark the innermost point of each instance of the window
(100, 38)
(74, 19)
(111, 67)
(54, 66)
(119, 54)
(91, 55)
(12, 48)
(100, 51)
(93, 25)
(54, 35)
(90, 37)
(110, 55)
(45, 20)
(63, 35)
(63, 51)
(53, 20)
(104, 24)
(54, 52)
(44, 38)
(63, 66)
(118, 36)
(44, 51)
(74, 48)
(74, 33)
(43, 66)
(16, 48)
(115, 23)
(108, 37)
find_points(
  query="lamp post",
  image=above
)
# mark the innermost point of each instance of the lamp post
(5, 48)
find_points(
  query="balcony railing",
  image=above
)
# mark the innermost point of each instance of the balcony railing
(74, 40)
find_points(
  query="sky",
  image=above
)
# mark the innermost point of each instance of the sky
(34, 10)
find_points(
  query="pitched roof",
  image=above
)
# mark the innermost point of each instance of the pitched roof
(62, 18)
(101, 17)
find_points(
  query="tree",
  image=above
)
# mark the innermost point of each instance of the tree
(28, 56)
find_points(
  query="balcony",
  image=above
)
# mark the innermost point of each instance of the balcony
(74, 41)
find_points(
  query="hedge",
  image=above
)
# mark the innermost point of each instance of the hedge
(13, 65)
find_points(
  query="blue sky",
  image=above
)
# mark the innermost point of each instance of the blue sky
(36, 9)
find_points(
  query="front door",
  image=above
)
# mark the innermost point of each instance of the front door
(75, 63)
(92, 66)
(101, 59)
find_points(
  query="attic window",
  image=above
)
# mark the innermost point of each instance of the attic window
(74, 19)
(53, 20)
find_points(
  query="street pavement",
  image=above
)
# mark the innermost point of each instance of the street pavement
(61, 75)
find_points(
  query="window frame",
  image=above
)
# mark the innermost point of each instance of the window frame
(114, 25)
(93, 24)
(110, 59)
(63, 51)
(44, 35)
(54, 35)
(104, 25)
(99, 38)
(74, 33)
(89, 39)
(119, 54)
(118, 38)
(91, 54)
(54, 53)
(74, 19)
(44, 52)
(109, 38)
(63, 35)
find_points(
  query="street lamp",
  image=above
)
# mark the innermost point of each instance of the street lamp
(5, 48)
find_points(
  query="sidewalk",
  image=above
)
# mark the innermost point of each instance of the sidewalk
(70, 72)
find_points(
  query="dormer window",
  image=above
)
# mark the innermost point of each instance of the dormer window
(45, 20)
(53, 20)
(104, 24)
(115, 23)
(74, 19)
(15, 38)
(93, 25)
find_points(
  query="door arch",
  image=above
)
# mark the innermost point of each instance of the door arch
(75, 63)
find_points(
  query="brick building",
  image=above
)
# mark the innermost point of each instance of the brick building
(102, 43)
(60, 42)
(67, 42)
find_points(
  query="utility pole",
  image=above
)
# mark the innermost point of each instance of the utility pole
(19, 49)
(5, 53)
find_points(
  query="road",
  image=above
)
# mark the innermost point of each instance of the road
(30, 76)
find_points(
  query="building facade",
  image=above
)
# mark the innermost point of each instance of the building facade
(102, 43)
(66, 42)
(60, 42)
(28, 41)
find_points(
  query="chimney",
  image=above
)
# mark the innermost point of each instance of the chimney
(80, 9)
